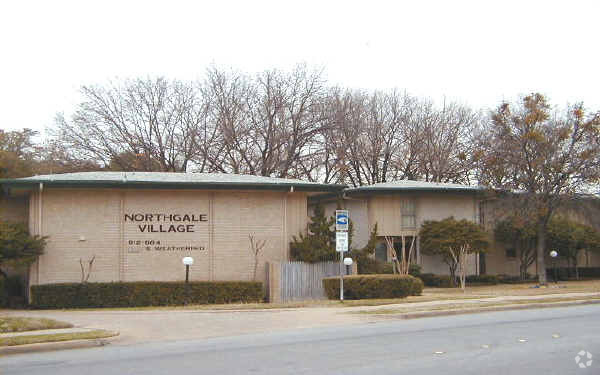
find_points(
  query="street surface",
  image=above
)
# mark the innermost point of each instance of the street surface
(544, 341)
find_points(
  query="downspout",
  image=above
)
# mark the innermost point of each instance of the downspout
(40, 233)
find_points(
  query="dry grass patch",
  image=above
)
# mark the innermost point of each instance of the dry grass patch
(586, 286)
(17, 324)
(471, 306)
(37, 339)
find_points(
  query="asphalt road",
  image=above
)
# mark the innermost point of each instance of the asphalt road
(544, 341)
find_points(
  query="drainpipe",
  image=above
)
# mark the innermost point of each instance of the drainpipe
(40, 210)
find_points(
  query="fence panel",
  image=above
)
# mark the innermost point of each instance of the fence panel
(304, 281)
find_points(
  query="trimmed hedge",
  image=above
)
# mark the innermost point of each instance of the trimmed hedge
(143, 293)
(3, 293)
(436, 281)
(373, 286)
(482, 279)
(568, 273)
(506, 279)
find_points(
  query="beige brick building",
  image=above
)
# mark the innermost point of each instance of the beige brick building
(399, 208)
(138, 226)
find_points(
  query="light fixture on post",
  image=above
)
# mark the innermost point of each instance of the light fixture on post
(188, 261)
(554, 254)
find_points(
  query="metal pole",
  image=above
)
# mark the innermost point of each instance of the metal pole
(342, 276)
(555, 273)
(187, 273)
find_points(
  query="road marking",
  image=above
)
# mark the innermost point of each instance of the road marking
(439, 352)
(522, 340)
(555, 336)
(485, 346)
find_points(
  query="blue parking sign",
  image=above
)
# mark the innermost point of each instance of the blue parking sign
(341, 220)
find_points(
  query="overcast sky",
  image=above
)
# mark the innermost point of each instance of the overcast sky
(475, 52)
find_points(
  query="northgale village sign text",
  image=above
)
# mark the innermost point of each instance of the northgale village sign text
(164, 223)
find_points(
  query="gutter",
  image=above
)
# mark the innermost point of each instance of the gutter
(292, 186)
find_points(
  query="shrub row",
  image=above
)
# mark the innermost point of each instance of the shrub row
(145, 293)
(12, 292)
(507, 279)
(436, 281)
(373, 286)
(568, 273)
(482, 279)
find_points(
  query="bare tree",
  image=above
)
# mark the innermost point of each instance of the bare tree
(85, 276)
(256, 246)
(446, 146)
(156, 121)
(268, 123)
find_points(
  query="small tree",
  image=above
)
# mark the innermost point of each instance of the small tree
(365, 262)
(569, 238)
(453, 240)
(256, 246)
(520, 235)
(318, 244)
(85, 276)
(17, 246)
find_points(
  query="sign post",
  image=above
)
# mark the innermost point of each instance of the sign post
(341, 242)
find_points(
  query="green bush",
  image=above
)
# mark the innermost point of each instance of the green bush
(143, 293)
(482, 279)
(415, 270)
(3, 293)
(373, 286)
(436, 281)
(506, 279)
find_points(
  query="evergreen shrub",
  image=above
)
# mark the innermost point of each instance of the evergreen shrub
(143, 293)
(373, 286)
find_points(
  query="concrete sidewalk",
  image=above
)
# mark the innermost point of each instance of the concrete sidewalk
(140, 326)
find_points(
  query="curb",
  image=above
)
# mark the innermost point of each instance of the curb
(57, 345)
(478, 310)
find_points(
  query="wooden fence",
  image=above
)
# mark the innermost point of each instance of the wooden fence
(299, 281)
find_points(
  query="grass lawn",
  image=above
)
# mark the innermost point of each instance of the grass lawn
(17, 324)
(469, 306)
(586, 286)
(36, 339)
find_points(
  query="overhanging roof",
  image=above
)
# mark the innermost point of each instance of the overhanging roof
(402, 186)
(168, 180)
(409, 185)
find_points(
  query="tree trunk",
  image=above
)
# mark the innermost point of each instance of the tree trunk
(541, 253)
(453, 274)
(523, 270)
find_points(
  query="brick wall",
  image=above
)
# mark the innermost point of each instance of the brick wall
(106, 224)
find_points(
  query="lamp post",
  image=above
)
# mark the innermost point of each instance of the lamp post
(554, 254)
(347, 262)
(188, 261)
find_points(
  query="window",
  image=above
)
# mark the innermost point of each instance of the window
(381, 252)
(408, 214)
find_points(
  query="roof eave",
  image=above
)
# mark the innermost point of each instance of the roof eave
(173, 185)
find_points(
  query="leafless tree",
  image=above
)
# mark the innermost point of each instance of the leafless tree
(256, 246)
(268, 123)
(85, 276)
(156, 121)
(446, 142)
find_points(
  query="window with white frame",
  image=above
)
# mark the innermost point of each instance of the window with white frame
(408, 214)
